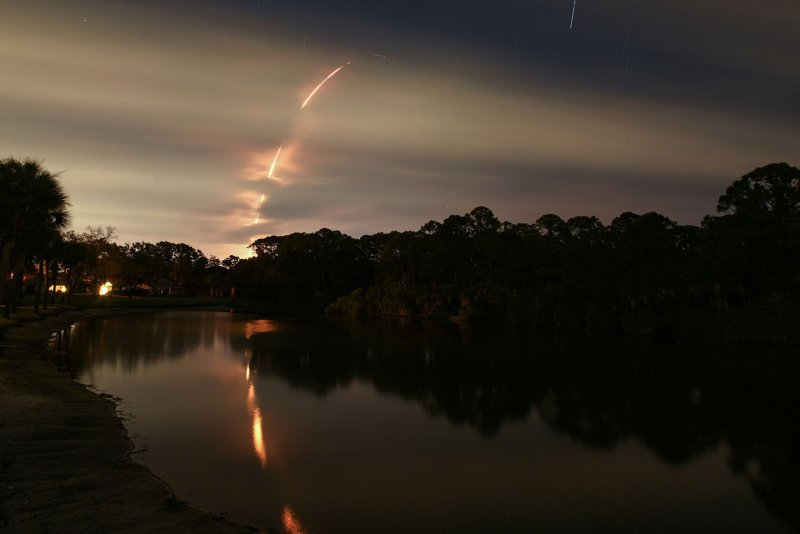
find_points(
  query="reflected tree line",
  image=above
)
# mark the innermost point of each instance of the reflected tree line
(137, 340)
(679, 400)
(735, 276)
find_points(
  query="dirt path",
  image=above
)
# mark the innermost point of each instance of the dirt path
(64, 453)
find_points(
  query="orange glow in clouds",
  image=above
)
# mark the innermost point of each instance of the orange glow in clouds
(259, 161)
(258, 213)
(269, 175)
(271, 164)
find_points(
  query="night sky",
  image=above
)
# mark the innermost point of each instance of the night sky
(165, 116)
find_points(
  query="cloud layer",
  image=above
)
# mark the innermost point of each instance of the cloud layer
(165, 119)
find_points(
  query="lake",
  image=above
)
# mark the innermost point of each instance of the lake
(320, 427)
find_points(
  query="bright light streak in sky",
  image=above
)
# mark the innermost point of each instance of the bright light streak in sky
(278, 152)
(258, 212)
(169, 135)
(272, 167)
(331, 75)
(572, 19)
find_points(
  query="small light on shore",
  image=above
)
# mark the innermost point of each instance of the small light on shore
(105, 289)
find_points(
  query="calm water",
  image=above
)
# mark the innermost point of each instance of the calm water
(387, 427)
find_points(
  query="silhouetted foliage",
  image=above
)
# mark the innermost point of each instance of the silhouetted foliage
(303, 272)
(33, 211)
(736, 276)
(642, 273)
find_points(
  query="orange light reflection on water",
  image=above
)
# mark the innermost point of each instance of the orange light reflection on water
(259, 326)
(290, 523)
(258, 438)
(251, 398)
(257, 429)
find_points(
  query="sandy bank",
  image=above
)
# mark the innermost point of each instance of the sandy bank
(64, 453)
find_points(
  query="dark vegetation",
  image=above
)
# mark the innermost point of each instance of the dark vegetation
(736, 276)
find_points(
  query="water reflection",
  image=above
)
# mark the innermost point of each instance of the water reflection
(136, 340)
(257, 433)
(682, 402)
(259, 326)
(290, 522)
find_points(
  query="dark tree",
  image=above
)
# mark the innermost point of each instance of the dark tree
(771, 191)
(33, 207)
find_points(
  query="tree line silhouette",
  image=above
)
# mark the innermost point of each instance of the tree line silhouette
(735, 276)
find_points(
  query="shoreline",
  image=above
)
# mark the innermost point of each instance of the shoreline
(65, 460)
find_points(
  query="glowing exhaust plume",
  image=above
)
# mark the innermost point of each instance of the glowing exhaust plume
(260, 203)
(331, 75)
(274, 162)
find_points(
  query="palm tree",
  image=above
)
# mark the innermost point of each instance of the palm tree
(32, 205)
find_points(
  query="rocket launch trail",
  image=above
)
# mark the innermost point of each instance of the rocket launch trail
(277, 156)
(331, 75)
(274, 161)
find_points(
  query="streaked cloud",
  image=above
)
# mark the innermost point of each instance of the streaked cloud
(166, 120)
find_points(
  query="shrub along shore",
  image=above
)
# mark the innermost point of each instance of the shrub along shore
(65, 459)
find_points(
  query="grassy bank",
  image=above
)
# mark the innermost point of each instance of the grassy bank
(111, 302)
(85, 302)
